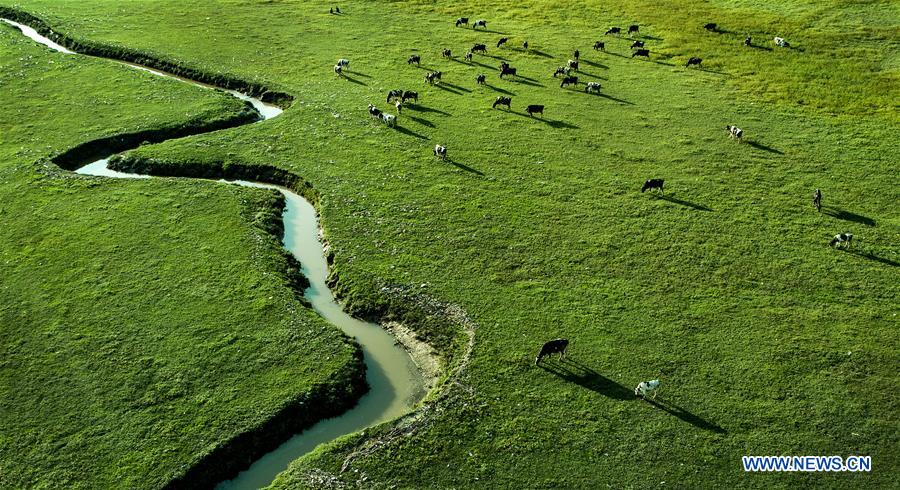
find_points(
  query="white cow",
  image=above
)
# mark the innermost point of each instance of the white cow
(440, 152)
(780, 42)
(647, 387)
(389, 119)
(592, 87)
(343, 63)
(735, 132)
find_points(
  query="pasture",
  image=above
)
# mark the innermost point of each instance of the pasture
(765, 339)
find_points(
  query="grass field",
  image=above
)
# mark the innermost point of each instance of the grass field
(766, 340)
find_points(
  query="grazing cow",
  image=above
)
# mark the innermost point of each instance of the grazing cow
(508, 71)
(337, 10)
(554, 346)
(735, 132)
(600, 46)
(480, 79)
(525, 45)
(431, 77)
(576, 55)
(440, 152)
(694, 61)
(390, 120)
(653, 184)
(469, 56)
(844, 238)
(413, 59)
(343, 63)
(462, 20)
(374, 111)
(561, 70)
(479, 48)
(480, 23)
(614, 30)
(637, 44)
(748, 41)
(647, 387)
(632, 29)
(592, 87)
(569, 81)
(507, 101)
(817, 200)
(535, 109)
(399, 106)
(503, 65)
(502, 41)
(338, 70)
(394, 94)
(781, 43)
(641, 52)
(573, 64)
(409, 94)
(712, 27)
(445, 53)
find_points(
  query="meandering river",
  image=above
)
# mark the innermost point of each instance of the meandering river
(396, 384)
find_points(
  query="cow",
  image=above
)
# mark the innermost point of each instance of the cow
(599, 46)
(413, 59)
(440, 152)
(399, 106)
(573, 64)
(712, 27)
(694, 61)
(479, 48)
(374, 111)
(641, 52)
(446, 53)
(576, 55)
(507, 101)
(503, 65)
(843, 238)
(502, 41)
(651, 184)
(389, 120)
(409, 94)
(569, 81)
(735, 132)
(432, 76)
(592, 87)
(344, 63)
(468, 56)
(561, 70)
(338, 70)
(632, 29)
(480, 79)
(559, 346)
(480, 23)
(614, 30)
(781, 43)
(748, 41)
(535, 109)
(394, 94)
(508, 71)
(461, 21)
(525, 45)
(647, 387)
(817, 200)
(637, 44)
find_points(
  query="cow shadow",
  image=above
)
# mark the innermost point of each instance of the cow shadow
(586, 74)
(498, 89)
(527, 81)
(537, 52)
(351, 79)
(489, 67)
(760, 146)
(652, 38)
(619, 55)
(444, 87)
(501, 58)
(549, 122)
(872, 257)
(847, 215)
(764, 48)
(463, 166)
(360, 74)
(682, 202)
(426, 68)
(423, 122)
(614, 99)
(575, 372)
(408, 132)
(595, 65)
(421, 108)
(454, 87)
(686, 416)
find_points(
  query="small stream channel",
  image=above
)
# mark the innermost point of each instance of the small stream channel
(396, 384)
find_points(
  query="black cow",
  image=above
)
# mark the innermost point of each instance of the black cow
(817, 200)
(446, 53)
(535, 109)
(503, 65)
(748, 41)
(507, 101)
(525, 45)
(641, 52)
(694, 61)
(462, 20)
(653, 184)
(569, 81)
(502, 41)
(600, 46)
(480, 79)
(468, 56)
(394, 94)
(576, 55)
(413, 59)
(637, 44)
(633, 29)
(554, 346)
(712, 27)
(480, 23)
(479, 48)
(508, 71)
(614, 30)
(409, 94)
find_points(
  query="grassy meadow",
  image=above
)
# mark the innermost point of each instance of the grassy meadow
(767, 341)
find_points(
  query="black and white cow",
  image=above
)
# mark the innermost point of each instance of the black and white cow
(641, 52)
(508, 71)
(592, 87)
(432, 77)
(651, 184)
(842, 240)
(748, 41)
(780, 42)
(374, 111)
(507, 101)
(446, 53)
(338, 70)
(399, 106)
(394, 94)
(573, 64)
(694, 61)
(614, 30)
(409, 94)
(480, 23)
(637, 44)
(525, 45)
(502, 41)
(440, 152)
(558, 346)
(468, 56)
(389, 120)
(343, 63)
(569, 81)
(480, 79)
(817, 200)
(735, 132)
(561, 70)
(479, 48)
(600, 46)
(462, 21)
(535, 109)
(413, 59)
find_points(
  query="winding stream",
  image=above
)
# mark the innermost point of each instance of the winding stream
(396, 384)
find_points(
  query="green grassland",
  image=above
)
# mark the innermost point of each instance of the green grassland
(143, 324)
(766, 340)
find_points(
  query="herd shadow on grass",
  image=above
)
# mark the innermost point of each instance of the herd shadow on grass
(572, 371)
(845, 215)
